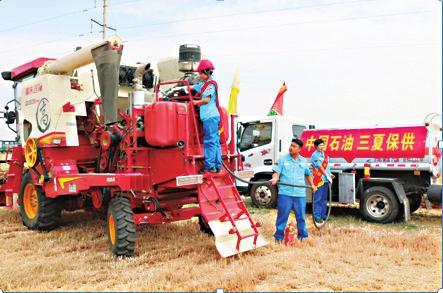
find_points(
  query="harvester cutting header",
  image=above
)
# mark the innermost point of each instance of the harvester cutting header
(134, 153)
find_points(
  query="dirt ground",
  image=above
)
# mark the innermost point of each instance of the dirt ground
(349, 255)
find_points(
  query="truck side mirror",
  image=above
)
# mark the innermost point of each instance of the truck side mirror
(7, 75)
(10, 117)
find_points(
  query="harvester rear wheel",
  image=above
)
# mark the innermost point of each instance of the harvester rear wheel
(121, 227)
(38, 212)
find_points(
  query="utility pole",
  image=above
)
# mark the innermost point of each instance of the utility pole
(104, 18)
(103, 24)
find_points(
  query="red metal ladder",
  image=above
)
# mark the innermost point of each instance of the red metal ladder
(232, 205)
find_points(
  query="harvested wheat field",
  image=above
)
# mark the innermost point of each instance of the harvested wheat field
(348, 255)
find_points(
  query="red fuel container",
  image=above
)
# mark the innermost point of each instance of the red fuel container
(165, 123)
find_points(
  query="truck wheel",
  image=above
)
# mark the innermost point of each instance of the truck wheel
(38, 212)
(379, 204)
(414, 202)
(264, 195)
(204, 227)
(121, 227)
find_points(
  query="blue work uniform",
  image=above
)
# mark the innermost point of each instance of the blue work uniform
(292, 171)
(321, 195)
(210, 119)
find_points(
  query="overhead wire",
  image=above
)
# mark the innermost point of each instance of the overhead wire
(240, 14)
(235, 29)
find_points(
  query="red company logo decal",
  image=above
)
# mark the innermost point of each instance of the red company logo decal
(265, 152)
(36, 88)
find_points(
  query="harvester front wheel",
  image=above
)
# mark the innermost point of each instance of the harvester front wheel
(38, 212)
(121, 227)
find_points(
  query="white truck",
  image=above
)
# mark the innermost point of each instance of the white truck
(404, 163)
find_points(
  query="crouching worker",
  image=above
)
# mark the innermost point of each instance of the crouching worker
(292, 169)
(322, 180)
(209, 116)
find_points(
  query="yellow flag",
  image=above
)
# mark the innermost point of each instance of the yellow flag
(235, 89)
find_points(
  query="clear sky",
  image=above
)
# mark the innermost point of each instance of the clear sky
(345, 62)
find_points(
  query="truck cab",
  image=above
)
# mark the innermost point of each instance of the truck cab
(261, 142)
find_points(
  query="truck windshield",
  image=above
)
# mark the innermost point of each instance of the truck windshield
(255, 135)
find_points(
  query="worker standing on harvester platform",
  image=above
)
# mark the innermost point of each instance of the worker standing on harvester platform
(209, 116)
(291, 169)
(322, 180)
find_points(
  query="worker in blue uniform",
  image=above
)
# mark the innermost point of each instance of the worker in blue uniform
(322, 179)
(291, 168)
(209, 116)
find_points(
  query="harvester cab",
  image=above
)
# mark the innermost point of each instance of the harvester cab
(140, 163)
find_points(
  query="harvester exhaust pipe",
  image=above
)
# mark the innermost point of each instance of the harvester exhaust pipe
(107, 61)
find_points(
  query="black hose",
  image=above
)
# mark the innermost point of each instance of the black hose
(318, 226)
(261, 182)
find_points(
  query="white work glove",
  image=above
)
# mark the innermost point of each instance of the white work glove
(184, 88)
(329, 179)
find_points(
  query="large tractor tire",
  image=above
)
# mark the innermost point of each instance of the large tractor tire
(379, 204)
(38, 212)
(121, 227)
(264, 195)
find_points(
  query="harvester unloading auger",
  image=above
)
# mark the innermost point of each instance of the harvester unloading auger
(139, 165)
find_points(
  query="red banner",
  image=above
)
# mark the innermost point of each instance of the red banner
(397, 142)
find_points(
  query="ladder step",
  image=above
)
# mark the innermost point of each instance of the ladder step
(235, 201)
(225, 187)
(233, 211)
(233, 204)
(248, 236)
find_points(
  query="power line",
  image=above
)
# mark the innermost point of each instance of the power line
(174, 21)
(46, 19)
(241, 14)
(84, 10)
(288, 24)
(309, 50)
(246, 28)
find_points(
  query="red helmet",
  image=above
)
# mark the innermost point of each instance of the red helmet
(204, 65)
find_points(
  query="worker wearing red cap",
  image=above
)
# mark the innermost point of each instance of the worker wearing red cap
(209, 116)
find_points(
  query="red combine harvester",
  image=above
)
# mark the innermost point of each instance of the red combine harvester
(141, 165)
